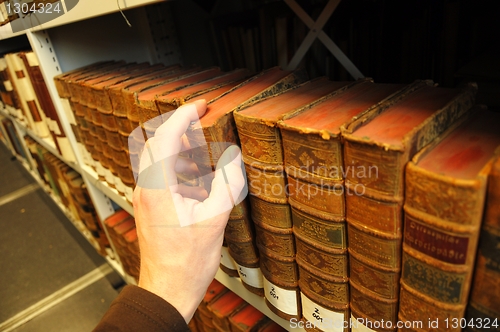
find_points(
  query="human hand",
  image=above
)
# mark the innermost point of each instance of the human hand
(181, 228)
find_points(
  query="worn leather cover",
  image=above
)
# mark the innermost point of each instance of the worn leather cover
(375, 215)
(445, 195)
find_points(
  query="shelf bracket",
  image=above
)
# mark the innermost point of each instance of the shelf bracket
(316, 31)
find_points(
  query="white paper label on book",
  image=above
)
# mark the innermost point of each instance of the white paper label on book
(251, 276)
(227, 260)
(283, 299)
(358, 326)
(322, 318)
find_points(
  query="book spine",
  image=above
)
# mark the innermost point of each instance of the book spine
(440, 242)
(484, 302)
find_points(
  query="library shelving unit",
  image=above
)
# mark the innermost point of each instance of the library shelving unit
(96, 30)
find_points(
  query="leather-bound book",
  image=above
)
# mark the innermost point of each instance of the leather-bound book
(248, 319)
(483, 308)
(224, 307)
(168, 102)
(263, 157)
(446, 185)
(216, 129)
(314, 166)
(377, 147)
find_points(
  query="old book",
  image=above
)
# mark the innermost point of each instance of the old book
(263, 158)
(483, 309)
(314, 167)
(445, 190)
(216, 129)
(377, 147)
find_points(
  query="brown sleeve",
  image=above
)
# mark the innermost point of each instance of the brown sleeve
(136, 309)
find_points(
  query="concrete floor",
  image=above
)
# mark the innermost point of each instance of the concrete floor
(51, 278)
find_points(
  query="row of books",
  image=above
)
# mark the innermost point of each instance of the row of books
(224, 311)
(109, 100)
(323, 233)
(68, 187)
(26, 98)
(123, 234)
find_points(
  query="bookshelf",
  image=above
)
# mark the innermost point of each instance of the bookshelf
(161, 32)
(95, 31)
